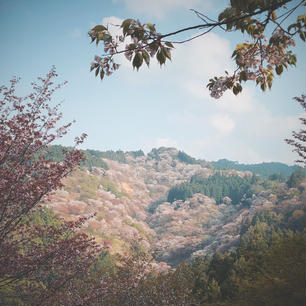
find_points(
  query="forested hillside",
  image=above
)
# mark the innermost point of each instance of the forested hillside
(177, 230)
(176, 204)
(231, 226)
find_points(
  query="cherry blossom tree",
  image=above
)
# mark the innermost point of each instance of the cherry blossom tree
(38, 261)
(256, 60)
(299, 138)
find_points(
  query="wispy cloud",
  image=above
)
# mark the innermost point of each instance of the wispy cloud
(223, 123)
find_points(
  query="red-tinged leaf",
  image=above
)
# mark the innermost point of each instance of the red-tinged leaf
(273, 15)
(101, 74)
(97, 71)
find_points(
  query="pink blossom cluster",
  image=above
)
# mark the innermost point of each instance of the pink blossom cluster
(275, 53)
(257, 60)
(105, 63)
(219, 88)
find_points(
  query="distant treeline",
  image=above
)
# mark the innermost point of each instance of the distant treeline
(93, 158)
(187, 159)
(235, 187)
(263, 169)
(216, 186)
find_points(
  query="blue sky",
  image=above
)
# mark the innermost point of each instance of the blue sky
(153, 107)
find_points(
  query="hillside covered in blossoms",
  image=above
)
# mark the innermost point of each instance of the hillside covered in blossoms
(128, 196)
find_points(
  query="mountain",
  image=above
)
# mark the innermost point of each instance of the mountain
(127, 194)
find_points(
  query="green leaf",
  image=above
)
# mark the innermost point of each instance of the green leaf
(154, 46)
(251, 29)
(107, 37)
(146, 57)
(263, 86)
(99, 28)
(99, 37)
(169, 44)
(235, 91)
(126, 25)
(126, 22)
(151, 27)
(225, 14)
(279, 69)
(292, 60)
(243, 76)
(138, 60)
(241, 5)
(161, 57)
(92, 67)
(229, 26)
(166, 52)
(132, 46)
(302, 18)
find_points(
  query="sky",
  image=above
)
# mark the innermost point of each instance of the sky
(168, 106)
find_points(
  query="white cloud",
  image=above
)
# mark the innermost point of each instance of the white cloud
(212, 148)
(240, 104)
(201, 59)
(223, 123)
(159, 8)
(263, 123)
(247, 133)
(113, 24)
